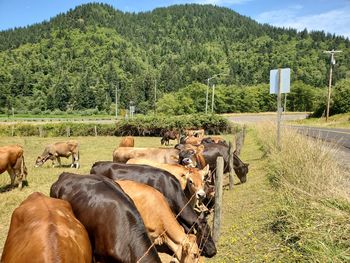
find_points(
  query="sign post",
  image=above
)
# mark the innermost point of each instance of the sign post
(279, 83)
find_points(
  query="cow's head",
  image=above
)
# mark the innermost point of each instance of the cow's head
(241, 168)
(204, 239)
(190, 252)
(242, 172)
(195, 181)
(40, 160)
(190, 155)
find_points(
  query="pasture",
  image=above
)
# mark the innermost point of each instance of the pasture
(237, 204)
(247, 209)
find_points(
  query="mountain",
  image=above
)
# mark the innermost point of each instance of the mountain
(76, 60)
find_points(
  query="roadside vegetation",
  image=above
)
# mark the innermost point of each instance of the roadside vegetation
(335, 121)
(151, 125)
(312, 195)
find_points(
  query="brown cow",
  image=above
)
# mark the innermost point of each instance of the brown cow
(44, 229)
(127, 141)
(12, 161)
(213, 139)
(196, 133)
(159, 155)
(169, 135)
(160, 221)
(191, 177)
(60, 149)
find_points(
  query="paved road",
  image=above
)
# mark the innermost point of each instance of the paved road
(339, 136)
(255, 118)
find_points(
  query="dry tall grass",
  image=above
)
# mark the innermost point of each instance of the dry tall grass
(312, 190)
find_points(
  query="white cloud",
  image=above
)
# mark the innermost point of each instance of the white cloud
(334, 21)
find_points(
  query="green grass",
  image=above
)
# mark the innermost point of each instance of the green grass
(336, 121)
(248, 210)
(312, 196)
(40, 179)
(53, 116)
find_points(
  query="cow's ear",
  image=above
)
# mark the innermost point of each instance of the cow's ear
(179, 146)
(200, 148)
(205, 170)
(247, 164)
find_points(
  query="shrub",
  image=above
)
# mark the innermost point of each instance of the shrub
(155, 125)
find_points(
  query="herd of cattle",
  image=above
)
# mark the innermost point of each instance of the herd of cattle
(145, 201)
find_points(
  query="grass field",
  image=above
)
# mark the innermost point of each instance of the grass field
(336, 121)
(247, 210)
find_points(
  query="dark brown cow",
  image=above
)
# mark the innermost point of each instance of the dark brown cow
(44, 229)
(127, 141)
(60, 149)
(169, 135)
(12, 161)
(115, 227)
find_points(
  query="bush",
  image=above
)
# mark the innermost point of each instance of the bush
(58, 129)
(156, 125)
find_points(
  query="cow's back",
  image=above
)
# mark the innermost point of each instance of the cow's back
(109, 215)
(44, 229)
(9, 156)
(160, 155)
(161, 180)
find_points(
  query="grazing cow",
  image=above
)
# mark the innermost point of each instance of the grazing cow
(60, 149)
(213, 139)
(195, 133)
(192, 178)
(115, 228)
(45, 229)
(169, 135)
(159, 155)
(160, 222)
(12, 161)
(213, 150)
(170, 187)
(127, 141)
(199, 140)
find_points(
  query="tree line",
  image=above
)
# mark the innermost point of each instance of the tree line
(75, 61)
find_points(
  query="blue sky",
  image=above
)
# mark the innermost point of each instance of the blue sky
(329, 15)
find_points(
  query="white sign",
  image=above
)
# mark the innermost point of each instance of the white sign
(285, 81)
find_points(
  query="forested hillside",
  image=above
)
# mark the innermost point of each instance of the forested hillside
(75, 60)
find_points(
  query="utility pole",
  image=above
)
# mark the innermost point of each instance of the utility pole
(212, 99)
(206, 99)
(332, 62)
(155, 96)
(116, 100)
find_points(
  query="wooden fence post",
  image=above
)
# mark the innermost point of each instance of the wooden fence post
(95, 130)
(218, 198)
(68, 131)
(40, 131)
(230, 165)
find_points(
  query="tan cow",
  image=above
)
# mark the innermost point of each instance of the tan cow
(196, 133)
(60, 149)
(127, 141)
(12, 161)
(160, 222)
(44, 229)
(191, 177)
